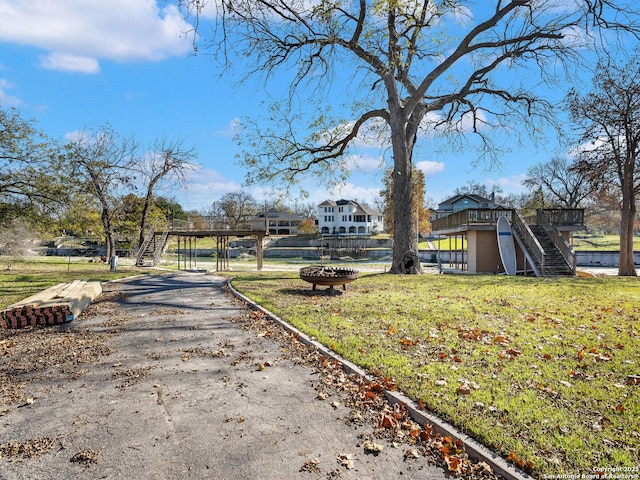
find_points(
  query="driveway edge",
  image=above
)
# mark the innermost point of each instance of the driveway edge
(474, 449)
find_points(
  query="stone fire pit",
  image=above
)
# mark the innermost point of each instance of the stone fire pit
(329, 276)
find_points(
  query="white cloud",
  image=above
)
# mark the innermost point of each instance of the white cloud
(512, 184)
(373, 134)
(230, 130)
(69, 63)
(363, 163)
(76, 31)
(205, 186)
(430, 168)
(7, 100)
(348, 191)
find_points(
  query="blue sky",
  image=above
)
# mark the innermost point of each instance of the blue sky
(75, 64)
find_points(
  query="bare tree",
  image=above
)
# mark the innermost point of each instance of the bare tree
(474, 188)
(165, 165)
(102, 161)
(561, 185)
(236, 208)
(409, 61)
(16, 238)
(609, 116)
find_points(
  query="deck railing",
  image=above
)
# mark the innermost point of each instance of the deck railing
(560, 217)
(207, 223)
(471, 217)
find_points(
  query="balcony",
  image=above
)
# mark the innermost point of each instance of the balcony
(486, 219)
(470, 219)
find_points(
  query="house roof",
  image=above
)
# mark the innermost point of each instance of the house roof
(280, 215)
(360, 209)
(457, 198)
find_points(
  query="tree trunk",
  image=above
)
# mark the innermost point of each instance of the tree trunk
(143, 220)
(108, 234)
(405, 233)
(627, 267)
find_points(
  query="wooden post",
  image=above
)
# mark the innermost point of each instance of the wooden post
(259, 252)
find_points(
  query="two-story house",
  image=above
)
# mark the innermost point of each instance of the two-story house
(462, 202)
(542, 242)
(348, 217)
(277, 222)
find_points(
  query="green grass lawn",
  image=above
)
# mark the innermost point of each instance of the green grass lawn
(447, 243)
(546, 372)
(601, 242)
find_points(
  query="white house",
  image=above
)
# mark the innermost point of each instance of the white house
(349, 218)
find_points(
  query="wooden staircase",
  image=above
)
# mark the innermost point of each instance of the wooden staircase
(150, 252)
(555, 265)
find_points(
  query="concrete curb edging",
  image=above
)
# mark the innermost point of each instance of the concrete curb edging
(474, 449)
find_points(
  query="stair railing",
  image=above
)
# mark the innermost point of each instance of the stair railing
(558, 239)
(160, 246)
(143, 247)
(530, 241)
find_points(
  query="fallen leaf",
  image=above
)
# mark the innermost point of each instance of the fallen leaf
(373, 447)
(388, 422)
(454, 464)
(464, 389)
(346, 460)
(411, 453)
(483, 467)
(311, 466)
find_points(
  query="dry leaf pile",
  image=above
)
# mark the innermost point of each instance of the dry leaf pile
(30, 353)
(86, 457)
(31, 448)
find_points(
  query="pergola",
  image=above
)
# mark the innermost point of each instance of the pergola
(187, 239)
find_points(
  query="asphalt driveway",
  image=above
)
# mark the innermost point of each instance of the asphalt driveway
(161, 378)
